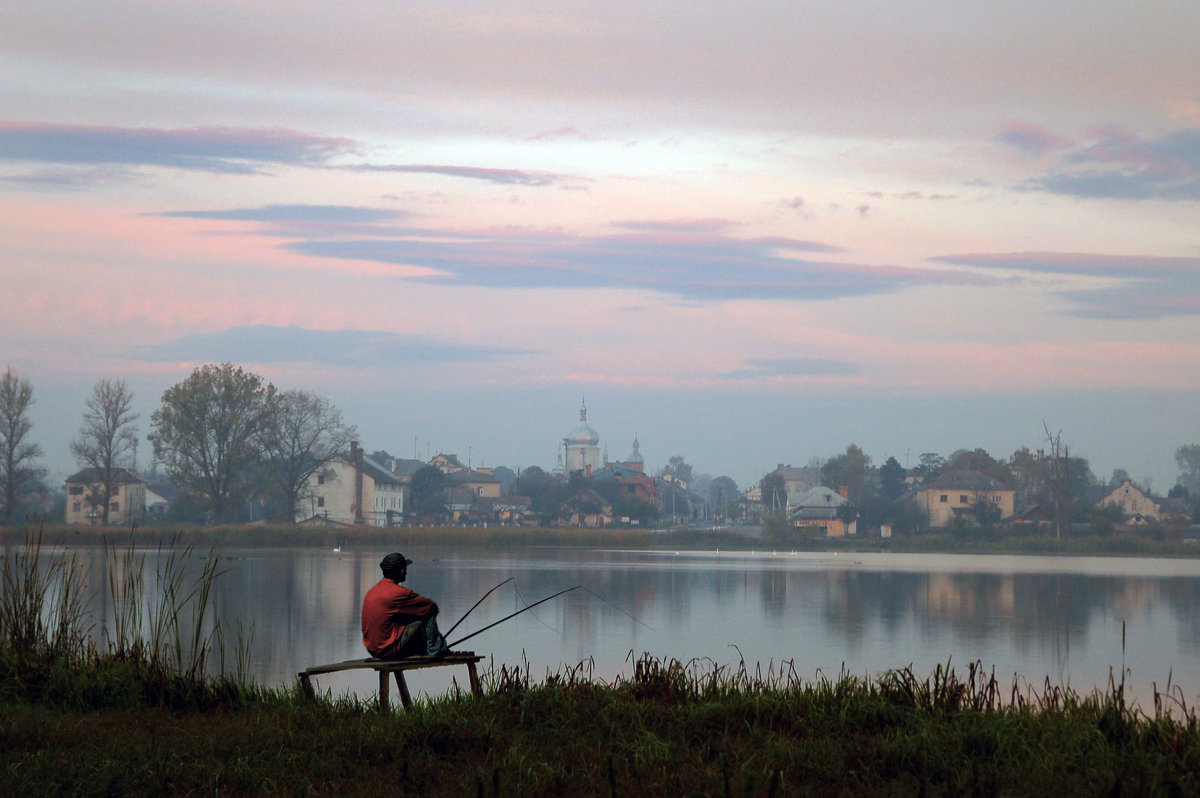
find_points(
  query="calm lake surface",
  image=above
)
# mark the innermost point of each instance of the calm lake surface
(1074, 620)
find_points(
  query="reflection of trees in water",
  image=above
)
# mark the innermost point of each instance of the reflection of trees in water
(1182, 595)
(1033, 610)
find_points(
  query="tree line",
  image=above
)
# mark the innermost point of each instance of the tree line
(223, 435)
(1051, 478)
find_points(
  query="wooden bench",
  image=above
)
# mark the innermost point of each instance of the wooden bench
(397, 667)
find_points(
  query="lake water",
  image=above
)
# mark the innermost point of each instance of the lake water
(1077, 621)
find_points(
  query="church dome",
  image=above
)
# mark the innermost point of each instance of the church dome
(583, 435)
(636, 457)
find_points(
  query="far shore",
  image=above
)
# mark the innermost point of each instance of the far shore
(695, 538)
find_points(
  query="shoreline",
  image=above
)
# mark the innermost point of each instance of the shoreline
(690, 539)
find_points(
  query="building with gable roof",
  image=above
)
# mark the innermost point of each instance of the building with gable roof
(353, 489)
(1136, 504)
(956, 491)
(820, 507)
(85, 497)
(481, 482)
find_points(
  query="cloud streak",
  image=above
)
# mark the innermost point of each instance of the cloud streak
(691, 264)
(292, 344)
(503, 177)
(225, 150)
(1116, 164)
(1151, 287)
(794, 367)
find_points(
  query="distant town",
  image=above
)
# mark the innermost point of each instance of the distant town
(230, 449)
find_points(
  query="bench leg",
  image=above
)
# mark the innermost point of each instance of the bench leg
(405, 698)
(476, 689)
(383, 690)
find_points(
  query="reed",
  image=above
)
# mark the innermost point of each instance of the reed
(158, 647)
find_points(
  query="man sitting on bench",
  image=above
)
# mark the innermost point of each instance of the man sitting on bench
(398, 622)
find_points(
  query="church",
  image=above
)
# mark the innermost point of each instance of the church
(581, 448)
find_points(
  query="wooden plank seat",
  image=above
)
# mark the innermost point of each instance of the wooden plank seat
(397, 667)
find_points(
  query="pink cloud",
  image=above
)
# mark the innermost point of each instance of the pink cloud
(1032, 138)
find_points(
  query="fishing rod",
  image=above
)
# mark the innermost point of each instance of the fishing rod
(476, 604)
(513, 615)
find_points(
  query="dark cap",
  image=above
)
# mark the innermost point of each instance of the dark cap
(393, 562)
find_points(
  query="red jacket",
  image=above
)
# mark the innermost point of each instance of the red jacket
(387, 608)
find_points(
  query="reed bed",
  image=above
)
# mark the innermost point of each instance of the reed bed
(147, 709)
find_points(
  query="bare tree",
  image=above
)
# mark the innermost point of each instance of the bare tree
(1060, 477)
(206, 432)
(106, 439)
(304, 433)
(18, 474)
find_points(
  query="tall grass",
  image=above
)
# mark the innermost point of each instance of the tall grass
(42, 607)
(159, 647)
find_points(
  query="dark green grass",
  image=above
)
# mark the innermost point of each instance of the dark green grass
(669, 730)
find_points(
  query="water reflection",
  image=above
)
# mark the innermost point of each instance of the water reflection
(1038, 617)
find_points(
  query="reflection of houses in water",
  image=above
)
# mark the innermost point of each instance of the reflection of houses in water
(962, 596)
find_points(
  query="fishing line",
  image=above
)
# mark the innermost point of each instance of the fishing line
(534, 614)
(476, 604)
(618, 609)
(513, 615)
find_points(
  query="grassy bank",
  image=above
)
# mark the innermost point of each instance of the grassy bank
(695, 538)
(670, 730)
(154, 707)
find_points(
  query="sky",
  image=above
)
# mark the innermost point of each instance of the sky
(748, 234)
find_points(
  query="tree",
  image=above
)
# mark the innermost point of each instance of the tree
(678, 468)
(848, 470)
(18, 474)
(107, 438)
(1188, 459)
(930, 464)
(206, 433)
(426, 490)
(774, 492)
(979, 460)
(723, 496)
(302, 434)
(891, 479)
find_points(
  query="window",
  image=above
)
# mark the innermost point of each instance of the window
(320, 479)
(114, 507)
(320, 501)
(76, 490)
(76, 507)
(963, 499)
(943, 498)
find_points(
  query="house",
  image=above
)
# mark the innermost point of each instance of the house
(820, 507)
(506, 510)
(956, 492)
(796, 481)
(587, 508)
(631, 482)
(85, 497)
(447, 463)
(1031, 515)
(354, 489)
(1135, 503)
(479, 481)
